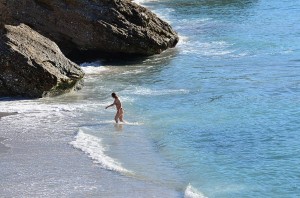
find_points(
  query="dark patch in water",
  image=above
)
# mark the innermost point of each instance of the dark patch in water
(215, 98)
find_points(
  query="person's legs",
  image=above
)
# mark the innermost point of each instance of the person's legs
(117, 116)
(121, 114)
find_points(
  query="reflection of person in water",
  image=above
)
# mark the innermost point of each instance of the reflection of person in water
(120, 111)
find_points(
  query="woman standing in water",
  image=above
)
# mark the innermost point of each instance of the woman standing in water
(120, 111)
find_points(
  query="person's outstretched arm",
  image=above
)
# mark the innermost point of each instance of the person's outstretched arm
(110, 105)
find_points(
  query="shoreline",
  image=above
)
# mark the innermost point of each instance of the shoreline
(3, 114)
(37, 159)
(47, 164)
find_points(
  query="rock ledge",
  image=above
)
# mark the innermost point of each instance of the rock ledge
(33, 66)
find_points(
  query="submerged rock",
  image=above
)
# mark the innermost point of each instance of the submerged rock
(99, 26)
(33, 66)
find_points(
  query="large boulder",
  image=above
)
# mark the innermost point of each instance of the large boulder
(33, 66)
(110, 26)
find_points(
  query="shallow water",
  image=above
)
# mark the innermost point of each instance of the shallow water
(217, 116)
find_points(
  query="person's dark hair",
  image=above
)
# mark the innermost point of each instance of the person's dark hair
(114, 95)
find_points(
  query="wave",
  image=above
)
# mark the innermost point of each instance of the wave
(214, 48)
(89, 70)
(45, 105)
(183, 39)
(130, 123)
(153, 92)
(144, 1)
(191, 192)
(93, 67)
(92, 146)
(30, 106)
(122, 123)
(137, 71)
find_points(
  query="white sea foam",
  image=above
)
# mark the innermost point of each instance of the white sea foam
(183, 39)
(131, 123)
(143, 1)
(93, 67)
(93, 70)
(215, 48)
(43, 105)
(191, 192)
(107, 122)
(193, 46)
(154, 92)
(28, 106)
(137, 71)
(92, 146)
(121, 123)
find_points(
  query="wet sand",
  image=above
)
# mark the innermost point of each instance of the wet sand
(41, 163)
(2, 114)
(4, 148)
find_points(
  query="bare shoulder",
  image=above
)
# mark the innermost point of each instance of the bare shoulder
(115, 101)
(118, 100)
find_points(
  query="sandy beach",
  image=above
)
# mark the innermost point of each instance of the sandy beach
(41, 163)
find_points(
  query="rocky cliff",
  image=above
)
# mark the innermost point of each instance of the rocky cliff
(32, 33)
(97, 26)
(33, 66)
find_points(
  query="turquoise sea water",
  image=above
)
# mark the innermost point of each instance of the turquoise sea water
(217, 116)
(223, 109)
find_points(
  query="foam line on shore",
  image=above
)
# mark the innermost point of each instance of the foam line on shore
(191, 192)
(92, 146)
